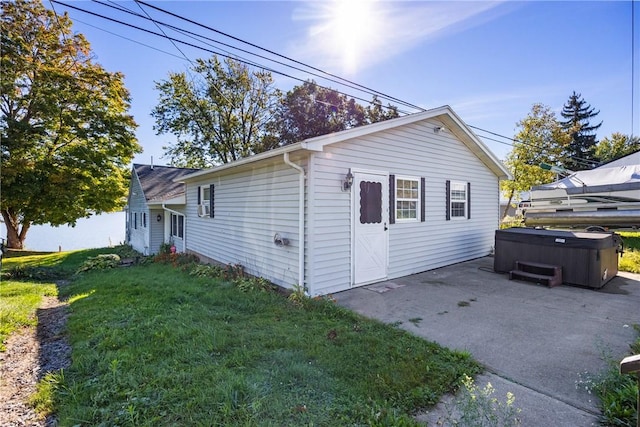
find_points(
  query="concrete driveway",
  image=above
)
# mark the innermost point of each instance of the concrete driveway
(534, 341)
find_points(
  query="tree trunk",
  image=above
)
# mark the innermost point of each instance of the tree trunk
(15, 233)
(506, 208)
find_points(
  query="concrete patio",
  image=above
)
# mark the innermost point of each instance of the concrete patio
(534, 341)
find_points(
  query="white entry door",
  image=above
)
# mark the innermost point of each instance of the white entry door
(371, 216)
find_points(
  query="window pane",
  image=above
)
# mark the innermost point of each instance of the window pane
(458, 209)
(370, 202)
(181, 226)
(406, 210)
(407, 197)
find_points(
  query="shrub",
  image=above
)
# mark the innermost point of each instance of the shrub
(178, 260)
(35, 274)
(207, 270)
(100, 262)
(630, 261)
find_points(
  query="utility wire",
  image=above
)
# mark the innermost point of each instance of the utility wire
(365, 88)
(194, 35)
(205, 49)
(246, 61)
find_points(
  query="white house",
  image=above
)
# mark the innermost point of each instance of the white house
(351, 208)
(155, 208)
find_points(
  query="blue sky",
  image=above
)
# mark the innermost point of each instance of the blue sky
(490, 61)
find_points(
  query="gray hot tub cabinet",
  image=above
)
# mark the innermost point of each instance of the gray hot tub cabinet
(587, 258)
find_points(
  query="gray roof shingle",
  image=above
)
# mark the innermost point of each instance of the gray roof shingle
(157, 181)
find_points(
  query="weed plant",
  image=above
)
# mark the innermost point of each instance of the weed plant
(617, 393)
(153, 345)
(478, 407)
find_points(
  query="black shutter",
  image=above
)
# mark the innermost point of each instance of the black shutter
(198, 195)
(392, 199)
(423, 195)
(448, 199)
(468, 200)
(211, 196)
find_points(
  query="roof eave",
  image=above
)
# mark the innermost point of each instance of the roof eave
(255, 158)
(445, 113)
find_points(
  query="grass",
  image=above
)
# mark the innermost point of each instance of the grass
(155, 346)
(18, 304)
(630, 260)
(27, 277)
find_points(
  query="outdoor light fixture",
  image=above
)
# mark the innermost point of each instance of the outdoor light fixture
(348, 181)
(159, 218)
(438, 129)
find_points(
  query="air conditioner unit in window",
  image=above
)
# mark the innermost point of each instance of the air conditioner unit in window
(203, 210)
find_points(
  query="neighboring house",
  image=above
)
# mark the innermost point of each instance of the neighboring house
(351, 208)
(155, 208)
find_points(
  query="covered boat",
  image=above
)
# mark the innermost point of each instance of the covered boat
(607, 197)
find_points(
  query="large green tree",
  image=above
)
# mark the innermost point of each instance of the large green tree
(66, 137)
(619, 145)
(218, 114)
(540, 139)
(580, 152)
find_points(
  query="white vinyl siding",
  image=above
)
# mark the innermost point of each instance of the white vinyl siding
(155, 230)
(250, 208)
(410, 151)
(138, 236)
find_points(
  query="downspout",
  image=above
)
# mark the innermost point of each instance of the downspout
(184, 231)
(300, 218)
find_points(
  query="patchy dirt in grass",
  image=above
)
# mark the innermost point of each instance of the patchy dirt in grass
(30, 354)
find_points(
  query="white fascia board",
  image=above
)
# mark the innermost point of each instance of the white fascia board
(318, 143)
(178, 200)
(247, 160)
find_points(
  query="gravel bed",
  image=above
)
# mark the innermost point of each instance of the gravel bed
(30, 354)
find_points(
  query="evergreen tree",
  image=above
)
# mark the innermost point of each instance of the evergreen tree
(580, 153)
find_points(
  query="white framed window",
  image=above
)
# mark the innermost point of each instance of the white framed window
(177, 226)
(458, 199)
(407, 199)
(205, 201)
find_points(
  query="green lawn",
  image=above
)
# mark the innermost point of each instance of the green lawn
(28, 277)
(153, 345)
(18, 304)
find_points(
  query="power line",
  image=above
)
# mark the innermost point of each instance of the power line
(193, 36)
(206, 50)
(365, 88)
